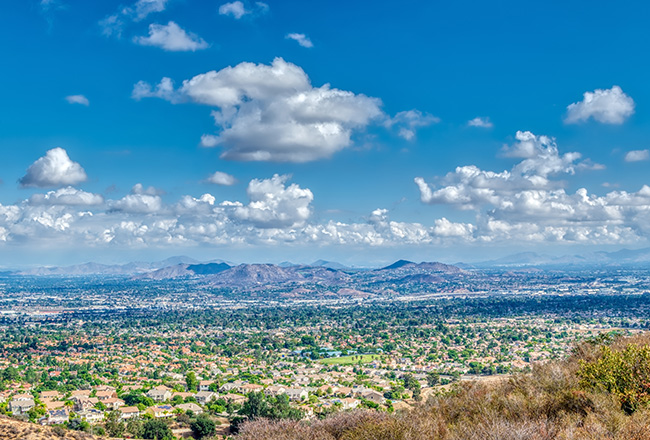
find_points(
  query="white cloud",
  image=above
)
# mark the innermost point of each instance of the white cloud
(67, 196)
(172, 37)
(469, 187)
(138, 188)
(77, 99)
(608, 106)
(235, 9)
(301, 39)
(480, 122)
(238, 9)
(274, 205)
(272, 112)
(279, 214)
(407, 122)
(528, 203)
(138, 204)
(221, 178)
(143, 8)
(163, 90)
(53, 169)
(114, 24)
(637, 155)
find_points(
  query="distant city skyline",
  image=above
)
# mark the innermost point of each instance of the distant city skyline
(294, 131)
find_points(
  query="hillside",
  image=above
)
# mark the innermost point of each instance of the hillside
(600, 392)
(15, 429)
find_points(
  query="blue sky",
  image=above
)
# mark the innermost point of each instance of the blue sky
(361, 132)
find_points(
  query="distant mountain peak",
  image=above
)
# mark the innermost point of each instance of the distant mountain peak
(397, 264)
(328, 264)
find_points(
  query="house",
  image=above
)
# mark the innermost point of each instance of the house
(159, 394)
(204, 397)
(105, 395)
(80, 393)
(52, 395)
(373, 396)
(344, 391)
(83, 403)
(56, 417)
(231, 386)
(113, 403)
(328, 389)
(104, 388)
(53, 404)
(128, 412)
(161, 411)
(91, 415)
(204, 385)
(21, 406)
(296, 394)
(196, 409)
(275, 390)
(250, 388)
(235, 398)
(348, 403)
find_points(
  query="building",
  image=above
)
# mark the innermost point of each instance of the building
(56, 417)
(128, 412)
(204, 397)
(161, 411)
(159, 394)
(21, 406)
(196, 409)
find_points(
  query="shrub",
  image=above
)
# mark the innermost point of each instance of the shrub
(624, 373)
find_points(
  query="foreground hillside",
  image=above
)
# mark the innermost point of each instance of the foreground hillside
(16, 429)
(601, 392)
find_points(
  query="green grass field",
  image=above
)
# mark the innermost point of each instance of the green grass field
(351, 360)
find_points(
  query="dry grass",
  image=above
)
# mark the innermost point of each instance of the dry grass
(18, 430)
(547, 404)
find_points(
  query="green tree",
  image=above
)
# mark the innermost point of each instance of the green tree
(255, 406)
(156, 429)
(114, 428)
(433, 378)
(203, 426)
(191, 381)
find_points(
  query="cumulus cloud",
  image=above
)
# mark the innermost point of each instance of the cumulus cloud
(77, 99)
(67, 196)
(608, 106)
(221, 178)
(637, 155)
(301, 39)
(469, 187)
(272, 112)
(278, 213)
(480, 122)
(529, 203)
(234, 9)
(53, 169)
(172, 37)
(274, 205)
(407, 122)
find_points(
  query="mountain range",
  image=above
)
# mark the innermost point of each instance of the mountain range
(221, 272)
